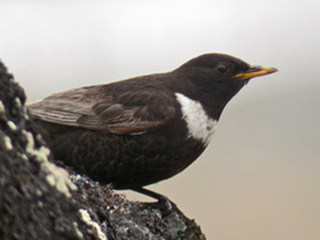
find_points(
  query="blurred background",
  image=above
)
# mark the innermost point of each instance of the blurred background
(260, 176)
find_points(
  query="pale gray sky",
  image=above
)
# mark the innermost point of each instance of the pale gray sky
(260, 176)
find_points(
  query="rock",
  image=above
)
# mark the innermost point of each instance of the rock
(42, 199)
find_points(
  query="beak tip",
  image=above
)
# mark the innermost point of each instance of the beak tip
(272, 69)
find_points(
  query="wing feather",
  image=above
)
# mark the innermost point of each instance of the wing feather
(116, 111)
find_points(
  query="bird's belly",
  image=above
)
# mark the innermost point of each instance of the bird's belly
(126, 161)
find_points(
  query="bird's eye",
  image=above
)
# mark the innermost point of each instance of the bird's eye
(222, 68)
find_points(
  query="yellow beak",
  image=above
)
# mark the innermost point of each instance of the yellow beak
(255, 71)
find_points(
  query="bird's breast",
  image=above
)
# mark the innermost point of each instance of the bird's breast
(200, 125)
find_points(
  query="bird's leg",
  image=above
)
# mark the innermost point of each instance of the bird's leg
(150, 193)
(165, 204)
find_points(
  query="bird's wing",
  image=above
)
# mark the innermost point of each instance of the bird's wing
(119, 112)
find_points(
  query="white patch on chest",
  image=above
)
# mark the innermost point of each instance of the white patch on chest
(200, 125)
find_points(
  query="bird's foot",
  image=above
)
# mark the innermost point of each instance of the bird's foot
(164, 204)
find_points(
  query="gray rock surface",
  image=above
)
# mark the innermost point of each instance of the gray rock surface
(42, 199)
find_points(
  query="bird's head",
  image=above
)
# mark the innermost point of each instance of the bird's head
(210, 70)
(218, 77)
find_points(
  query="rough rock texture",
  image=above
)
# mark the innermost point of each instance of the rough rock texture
(41, 200)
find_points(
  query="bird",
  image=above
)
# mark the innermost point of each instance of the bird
(139, 131)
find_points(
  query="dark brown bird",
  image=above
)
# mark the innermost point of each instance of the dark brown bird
(146, 129)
